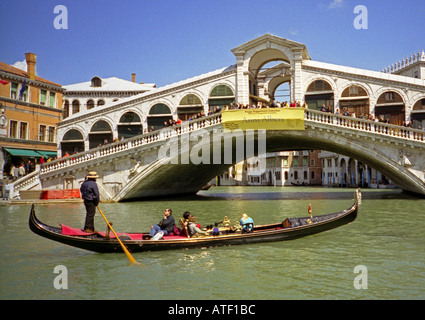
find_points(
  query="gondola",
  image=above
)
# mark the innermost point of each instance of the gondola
(290, 228)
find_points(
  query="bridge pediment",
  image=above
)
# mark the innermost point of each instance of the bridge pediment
(269, 41)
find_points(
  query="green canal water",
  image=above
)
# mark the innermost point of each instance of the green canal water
(387, 239)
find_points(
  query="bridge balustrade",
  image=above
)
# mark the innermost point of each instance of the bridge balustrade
(212, 120)
(365, 125)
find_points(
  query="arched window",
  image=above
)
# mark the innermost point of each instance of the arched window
(129, 125)
(66, 109)
(90, 104)
(96, 82)
(72, 141)
(75, 106)
(100, 134)
(390, 108)
(354, 99)
(100, 102)
(418, 114)
(189, 106)
(221, 96)
(319, 93)
(158, 115)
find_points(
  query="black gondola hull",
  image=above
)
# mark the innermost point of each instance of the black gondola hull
(300, 227)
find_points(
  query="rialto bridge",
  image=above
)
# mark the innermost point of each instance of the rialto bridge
(131, 168)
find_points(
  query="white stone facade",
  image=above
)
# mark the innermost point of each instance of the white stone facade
(246, 84)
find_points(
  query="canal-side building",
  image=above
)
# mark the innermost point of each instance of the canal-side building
(31, 108)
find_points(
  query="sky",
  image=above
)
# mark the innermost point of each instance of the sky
(165, 41)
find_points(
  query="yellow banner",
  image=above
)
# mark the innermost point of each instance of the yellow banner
(267, 118)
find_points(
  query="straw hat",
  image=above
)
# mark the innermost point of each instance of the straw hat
(92, 175)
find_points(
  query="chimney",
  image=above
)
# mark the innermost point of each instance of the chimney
(133, 77)
(31, 59)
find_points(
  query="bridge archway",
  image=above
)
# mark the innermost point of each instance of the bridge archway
(418, 114)
(189, 106)
(72, 141)
(158, 115)
(354, 100)
(319, 92)
(100, 134)
(390, 107)
(129, 125)
(220, 96)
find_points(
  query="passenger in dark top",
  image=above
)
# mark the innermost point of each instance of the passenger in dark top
(91, 197)
(165, 227)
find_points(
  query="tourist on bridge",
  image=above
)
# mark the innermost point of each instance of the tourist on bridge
(90, 194)
(165, 227)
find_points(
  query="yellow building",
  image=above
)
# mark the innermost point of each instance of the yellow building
(30, 109)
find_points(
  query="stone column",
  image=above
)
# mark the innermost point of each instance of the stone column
(242, 79)
(296, 83)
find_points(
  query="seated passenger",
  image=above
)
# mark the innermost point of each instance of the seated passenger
(192, 228)
(164, 227)
(247, 223)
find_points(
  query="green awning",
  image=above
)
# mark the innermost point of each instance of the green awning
(23, 152)
(48, 154)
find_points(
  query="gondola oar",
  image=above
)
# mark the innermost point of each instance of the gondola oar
(124, 248)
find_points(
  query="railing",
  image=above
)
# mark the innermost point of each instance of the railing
(131, 143)
(205, 122)
(365, 125)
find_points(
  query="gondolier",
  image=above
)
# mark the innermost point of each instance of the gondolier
(91, 197)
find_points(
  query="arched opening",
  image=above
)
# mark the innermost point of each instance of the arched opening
(65, 112)
(100, 134)
(100, 102)
(189, 106)
(72, 141)
(96, 82)
(319, 93)
(418, 114)
(129, 125)
(75, 106)
(90, 104)
(390, 108)
(221, 96)
(272, 84)
(159, 115)
(354, 100)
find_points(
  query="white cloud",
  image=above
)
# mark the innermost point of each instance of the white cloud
(20, 65)
(23, 66)
(335, 4)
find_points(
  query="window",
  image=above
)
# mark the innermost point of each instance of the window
(13, 129)
(24, 93)
(90, 104)
(96, 82)
(100, 103)
(75, 106)
(52, 99)
(42, 133)
(14, 90)
(389, 96)
(43, 94)
(51, 137)
(23, 130)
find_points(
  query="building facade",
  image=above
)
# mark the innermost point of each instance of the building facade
(31, 108)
